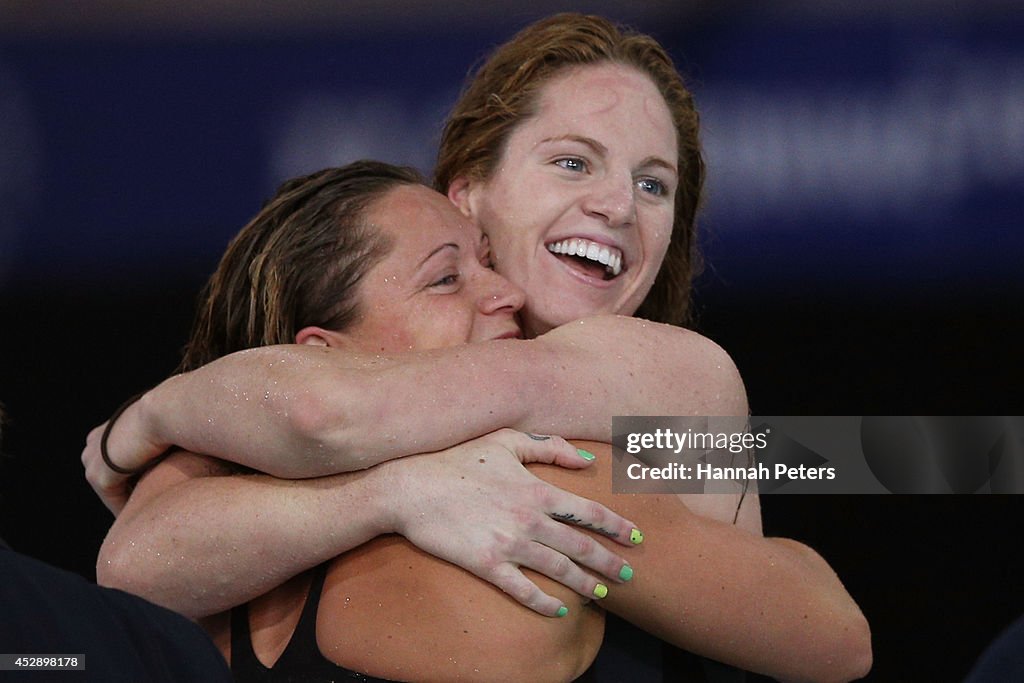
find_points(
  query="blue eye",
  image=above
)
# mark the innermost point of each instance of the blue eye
(652, 186)
(572, 164)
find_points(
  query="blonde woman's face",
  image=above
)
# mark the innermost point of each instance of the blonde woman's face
(580, 209)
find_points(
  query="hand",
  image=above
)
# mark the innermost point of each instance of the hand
(113, 487)
(476, 506)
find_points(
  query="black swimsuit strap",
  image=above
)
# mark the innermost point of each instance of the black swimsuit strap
(302, 647)
(243, 657)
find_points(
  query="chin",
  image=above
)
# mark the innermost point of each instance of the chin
(559, 314)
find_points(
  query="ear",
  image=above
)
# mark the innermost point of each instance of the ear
(318, 336)
(461, 192)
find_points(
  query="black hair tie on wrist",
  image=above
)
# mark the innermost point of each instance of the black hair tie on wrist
(106, 435)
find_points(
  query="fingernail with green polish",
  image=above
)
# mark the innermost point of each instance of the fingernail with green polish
(636, 537)
(600, 590)
(586, 455)
(562, 611)
(626, 573)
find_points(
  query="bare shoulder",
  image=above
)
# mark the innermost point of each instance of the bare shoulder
(668, 370)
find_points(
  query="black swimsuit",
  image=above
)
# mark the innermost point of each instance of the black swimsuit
(301, 661)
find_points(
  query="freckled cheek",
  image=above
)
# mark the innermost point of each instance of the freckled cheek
(397, 337)
(516, 236)
(655, 246)
(660, 248)
(447, 325)
(387, 330)
(508, 251)
(657, 239)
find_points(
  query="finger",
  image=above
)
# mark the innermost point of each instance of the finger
(110, 488)
(572, 509)
(544, 448)
(583, 550)
(512, 581)
(558, 567)
(91, 444)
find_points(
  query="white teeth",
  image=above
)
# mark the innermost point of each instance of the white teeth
(610, 257)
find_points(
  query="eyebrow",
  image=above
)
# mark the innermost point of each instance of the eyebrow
(441, 248)
(602, 150)
(589, 142)
(658, 161)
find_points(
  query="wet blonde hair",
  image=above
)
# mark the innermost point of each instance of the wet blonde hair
(504, 91)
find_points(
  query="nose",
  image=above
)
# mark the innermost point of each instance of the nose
(612, 200)
(497, 295)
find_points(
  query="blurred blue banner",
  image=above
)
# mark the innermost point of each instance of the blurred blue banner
(861, 154)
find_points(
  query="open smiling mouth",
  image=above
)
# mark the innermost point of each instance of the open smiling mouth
(595, 260)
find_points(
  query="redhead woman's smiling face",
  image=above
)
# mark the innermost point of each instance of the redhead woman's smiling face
(435, 287)
(580, 209)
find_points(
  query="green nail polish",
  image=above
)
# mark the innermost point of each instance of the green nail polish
(586, 455)
(562, 611)
(600, 590)
(636, 537)
(626, 573)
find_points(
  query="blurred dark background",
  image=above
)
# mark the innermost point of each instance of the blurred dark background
(862, 233)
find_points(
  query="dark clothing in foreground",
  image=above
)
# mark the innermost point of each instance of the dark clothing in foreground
(118, 636)
(1003, 660)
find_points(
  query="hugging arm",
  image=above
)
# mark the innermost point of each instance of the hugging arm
(199, 539)
(768, 605)
(190, 517)
(334, 411)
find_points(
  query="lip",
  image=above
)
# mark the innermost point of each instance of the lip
(516, 334)
(581, 277)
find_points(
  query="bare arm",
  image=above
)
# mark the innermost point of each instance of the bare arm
(157, 551)
(199, 542)
(769, 605)
(334, 411)
(198, 538)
